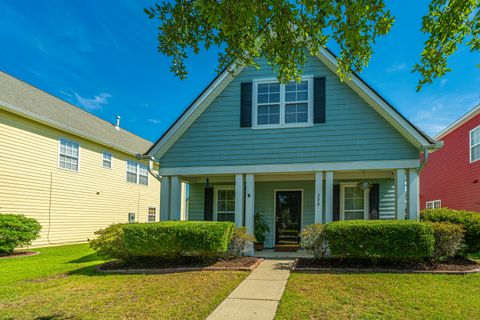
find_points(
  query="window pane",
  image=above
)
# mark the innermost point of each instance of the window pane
(131, 177)
(263, 88)
(354, 215)
(475, 137)
(269, 114)
(476, 152)
(263, 98)
(143, 180)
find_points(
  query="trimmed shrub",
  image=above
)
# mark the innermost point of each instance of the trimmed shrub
(448, 240)
(314, 240)
(171, 239)
(17, 231)
(110, 243)
(469, 220)
(397, 241)
(241, 239)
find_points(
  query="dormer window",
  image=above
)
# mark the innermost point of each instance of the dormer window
(277, 105)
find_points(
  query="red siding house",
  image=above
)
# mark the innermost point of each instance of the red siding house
(451, 177)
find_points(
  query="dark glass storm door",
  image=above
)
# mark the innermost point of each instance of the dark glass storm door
(288, 215)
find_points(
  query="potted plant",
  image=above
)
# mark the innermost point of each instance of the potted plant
(261, 228)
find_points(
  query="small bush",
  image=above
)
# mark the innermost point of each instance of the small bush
(314, 240)
(469, 220)
(17, 231)
(110, 243)
(241, 239)
(448, 240)
(397, 241)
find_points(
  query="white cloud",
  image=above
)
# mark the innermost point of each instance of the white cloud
(397, 67)
(95, 103)
(155, 121)
(443, 111)
(443, 82)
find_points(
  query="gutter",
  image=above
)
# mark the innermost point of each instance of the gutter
(437, 145)
(150, 165)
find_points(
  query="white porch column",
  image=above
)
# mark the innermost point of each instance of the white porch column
(400, 197)
(175, 197)
(413, 194)
(183, 202)
(319, 197)
(249, 201)
(239, 200)
(165, 199)
(329, 196)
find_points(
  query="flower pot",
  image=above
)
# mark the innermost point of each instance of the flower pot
(258, 246)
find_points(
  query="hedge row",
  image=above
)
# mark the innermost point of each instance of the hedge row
(469, 220)
(168, 239)
(377, 239)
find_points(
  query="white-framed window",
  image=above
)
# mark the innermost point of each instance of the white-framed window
(152, 214)
(353, 202)
(435, 204)
(225, 203)
(475, 144)
(137, 173)
(282, 105)
(107, 160)
(68, 155)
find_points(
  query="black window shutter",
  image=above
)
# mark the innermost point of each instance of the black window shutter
(245, 104)
(319, 100)
(208, 204)
(374, 201)
(336, 202)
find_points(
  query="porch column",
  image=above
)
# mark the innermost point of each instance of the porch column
(165, 199)
(239, 200)
(329, 196)
(400, 197)
(413, 194)
(183, 202)
(319, 197)
(175, 198)
(249, 201)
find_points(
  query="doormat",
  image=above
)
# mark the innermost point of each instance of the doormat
(286, 248)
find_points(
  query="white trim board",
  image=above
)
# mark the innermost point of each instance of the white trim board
(294, 167)
(411, 133)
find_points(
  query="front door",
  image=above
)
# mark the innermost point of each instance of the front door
(288, 216)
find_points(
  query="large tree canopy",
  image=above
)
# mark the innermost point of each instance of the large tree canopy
(285, 32)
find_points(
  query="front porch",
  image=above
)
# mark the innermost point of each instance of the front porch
(289, 201)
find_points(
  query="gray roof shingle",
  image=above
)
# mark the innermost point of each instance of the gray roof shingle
(25, 99)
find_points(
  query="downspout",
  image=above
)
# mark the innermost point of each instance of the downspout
(437, 145)
(150, 165)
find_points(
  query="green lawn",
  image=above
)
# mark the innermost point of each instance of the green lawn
(380, 296)
(60, 283)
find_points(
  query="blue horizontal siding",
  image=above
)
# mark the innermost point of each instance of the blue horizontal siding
(353, 131)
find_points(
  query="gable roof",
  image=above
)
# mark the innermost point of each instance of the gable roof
(25, 100)
(413, 134)
(459, 122)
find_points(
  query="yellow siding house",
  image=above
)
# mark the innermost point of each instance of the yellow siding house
(73, 172)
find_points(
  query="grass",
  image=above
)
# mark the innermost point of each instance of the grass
(60, 283)
(380, 296)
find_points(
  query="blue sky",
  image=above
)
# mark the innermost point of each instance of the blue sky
(101, 56)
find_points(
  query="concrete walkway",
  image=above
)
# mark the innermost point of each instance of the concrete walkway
(258, 295)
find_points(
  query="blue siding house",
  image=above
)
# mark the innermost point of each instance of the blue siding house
(299, 153)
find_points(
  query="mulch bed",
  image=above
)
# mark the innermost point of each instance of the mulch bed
(180, 265)
(19, 254)
(453, 266)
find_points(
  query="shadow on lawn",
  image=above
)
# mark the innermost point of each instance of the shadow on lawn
(88, 258)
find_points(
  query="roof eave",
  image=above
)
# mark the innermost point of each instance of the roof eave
(40, 119)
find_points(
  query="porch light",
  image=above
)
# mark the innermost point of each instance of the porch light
(364, 185)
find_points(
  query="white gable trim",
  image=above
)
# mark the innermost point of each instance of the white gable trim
(194, 111)
(377, 103)
(208, 96)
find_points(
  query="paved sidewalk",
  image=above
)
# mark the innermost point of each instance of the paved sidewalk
(258, 295)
